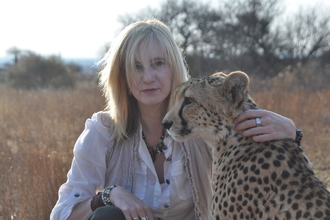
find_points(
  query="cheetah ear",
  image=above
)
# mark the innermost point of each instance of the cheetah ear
(235, 87)
(219, 74)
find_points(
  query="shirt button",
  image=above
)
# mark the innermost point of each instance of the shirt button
(168, 182)
(169, 159)
(166, 206)
(76, 195)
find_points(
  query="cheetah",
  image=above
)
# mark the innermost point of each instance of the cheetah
(251, 180)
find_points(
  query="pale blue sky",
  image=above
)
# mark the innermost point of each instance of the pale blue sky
(74, 28)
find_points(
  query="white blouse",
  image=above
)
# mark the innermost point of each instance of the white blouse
(170, 200)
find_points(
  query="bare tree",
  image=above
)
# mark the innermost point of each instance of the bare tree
(192, 22)
(15, 52)
(306, 34)
(247, 32)
(240, 34)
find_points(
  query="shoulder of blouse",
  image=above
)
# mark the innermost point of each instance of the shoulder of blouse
(102, 122)
(96, 133)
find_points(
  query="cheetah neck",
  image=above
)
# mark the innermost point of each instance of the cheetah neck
(233, 139)
(223, 153)
(221, 141)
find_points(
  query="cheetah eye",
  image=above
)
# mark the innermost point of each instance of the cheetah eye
(188, 101)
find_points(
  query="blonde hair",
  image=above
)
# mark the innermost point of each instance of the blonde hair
(119, 70)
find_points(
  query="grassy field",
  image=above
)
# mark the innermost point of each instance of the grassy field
(38, 130)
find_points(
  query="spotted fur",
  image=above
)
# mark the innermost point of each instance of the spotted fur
(270, 180)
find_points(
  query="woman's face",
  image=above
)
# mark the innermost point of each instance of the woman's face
(155, 76)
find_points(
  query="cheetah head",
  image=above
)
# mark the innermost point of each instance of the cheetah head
(206, 107)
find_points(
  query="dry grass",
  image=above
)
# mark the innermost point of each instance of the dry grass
(311, 113)
(39, 128)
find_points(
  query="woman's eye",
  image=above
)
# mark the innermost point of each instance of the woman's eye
(159, 63)
(138, 67)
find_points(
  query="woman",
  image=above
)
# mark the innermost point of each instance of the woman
(124, 165)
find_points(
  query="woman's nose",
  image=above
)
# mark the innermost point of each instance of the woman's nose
(148, 75)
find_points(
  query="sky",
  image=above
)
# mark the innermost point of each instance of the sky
(75, 28)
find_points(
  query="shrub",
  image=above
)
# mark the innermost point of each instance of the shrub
(34, 71)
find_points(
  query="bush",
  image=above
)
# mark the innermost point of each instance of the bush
(34, 71)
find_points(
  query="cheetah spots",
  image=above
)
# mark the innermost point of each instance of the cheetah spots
(294, 183)
(280, 150)
(276, 163)
(280, 157)
(284, 187)
(265, 166)
(307, 214)
(318, 214)
(288, 215)
(268, 154)
(295, 206)
(254, 180)
(285, 174)
(291, 193)
(274, 176)
(319, 203)
(253, 167)
(266, 179)
(245, 170)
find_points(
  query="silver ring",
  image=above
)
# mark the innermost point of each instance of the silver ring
(136, 218)
(144, 218)
(258, 122)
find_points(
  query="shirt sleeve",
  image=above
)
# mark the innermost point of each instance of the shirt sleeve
(87, 173)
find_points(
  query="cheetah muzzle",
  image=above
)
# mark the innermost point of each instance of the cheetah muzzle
(270, 180)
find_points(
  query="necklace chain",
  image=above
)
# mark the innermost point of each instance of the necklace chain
(156, 150)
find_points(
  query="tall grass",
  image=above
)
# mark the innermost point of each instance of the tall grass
(38, 130)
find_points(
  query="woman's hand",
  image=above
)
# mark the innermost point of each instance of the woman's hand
(132, 206)
(272, 127)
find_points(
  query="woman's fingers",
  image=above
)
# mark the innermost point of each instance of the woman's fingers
(247, 119)
(249, 114)
(136, 211)
(142, 211)
(264, 125)
(131, 206)
(148, 214)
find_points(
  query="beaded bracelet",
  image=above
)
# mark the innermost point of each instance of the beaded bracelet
(102, 198)
(299, 136)
(97, 201)
(106, 195)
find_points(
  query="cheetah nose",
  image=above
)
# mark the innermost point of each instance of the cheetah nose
(167, 124)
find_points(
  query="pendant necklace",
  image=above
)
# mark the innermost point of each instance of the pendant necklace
(156, 150)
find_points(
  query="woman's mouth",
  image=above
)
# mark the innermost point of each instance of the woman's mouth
(149, 90)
